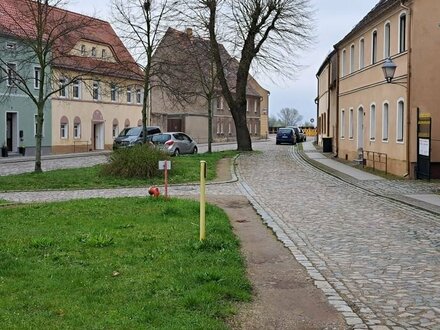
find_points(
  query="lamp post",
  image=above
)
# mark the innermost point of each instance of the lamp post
(389, 68)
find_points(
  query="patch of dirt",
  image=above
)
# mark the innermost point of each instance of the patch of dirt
(284, 294)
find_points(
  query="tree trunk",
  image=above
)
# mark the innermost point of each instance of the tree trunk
(39, 138)
(244, 142)
(209, 124)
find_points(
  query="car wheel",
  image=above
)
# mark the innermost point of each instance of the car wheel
(195, 150)
(176, 152)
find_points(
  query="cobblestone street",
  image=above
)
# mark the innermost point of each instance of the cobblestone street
(376, 259)
(381, 257)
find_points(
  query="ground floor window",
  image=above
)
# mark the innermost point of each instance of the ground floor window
(400, 120)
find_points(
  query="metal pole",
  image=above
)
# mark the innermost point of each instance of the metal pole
(202, 200)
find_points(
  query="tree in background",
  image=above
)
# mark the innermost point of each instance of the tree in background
(289, 116)
(267, 33)
(142, 24)
(274, 122)
(46, 36)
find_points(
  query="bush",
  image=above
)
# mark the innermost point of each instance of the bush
(140, 161)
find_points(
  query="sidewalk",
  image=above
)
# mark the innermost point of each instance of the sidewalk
(421, 194)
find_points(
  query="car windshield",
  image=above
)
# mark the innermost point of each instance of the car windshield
(285, 131)
(135, 131)
(160, 138)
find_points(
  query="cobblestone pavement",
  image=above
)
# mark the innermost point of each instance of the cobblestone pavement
(377, 260)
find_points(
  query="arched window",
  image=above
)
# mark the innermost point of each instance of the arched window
(402, 33)
(64, 127)
(373, 122)
(350, 125)
(76, 128)
(385, 120)
(115, 128)
(374, 47)
(400, 120)
(361, 53)
(139, 122)
(343, 59)
(342, 123)
(352, 59)
(127, 123)
(387, 40)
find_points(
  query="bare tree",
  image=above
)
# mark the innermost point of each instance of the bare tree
(289, 116)
(142, 24)
(267, 31)
(46, 36)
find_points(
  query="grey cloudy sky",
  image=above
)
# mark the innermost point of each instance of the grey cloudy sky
(334, 19)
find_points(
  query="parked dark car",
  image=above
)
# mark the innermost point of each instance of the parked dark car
(175, 143)
(300, 136)
(131, 136)
(286, 135)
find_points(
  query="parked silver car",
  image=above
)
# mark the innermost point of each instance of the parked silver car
(175, 143)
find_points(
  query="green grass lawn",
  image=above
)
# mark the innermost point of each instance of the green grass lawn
(184, 169)
(130, 263)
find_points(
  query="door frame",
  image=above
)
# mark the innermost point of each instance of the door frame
(12, 125)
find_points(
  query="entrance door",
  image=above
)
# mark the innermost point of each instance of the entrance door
(174, 125)
(360, 128)
(98, 130)
(11, 130)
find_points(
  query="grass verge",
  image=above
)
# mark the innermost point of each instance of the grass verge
(184, 169)
(130, 263)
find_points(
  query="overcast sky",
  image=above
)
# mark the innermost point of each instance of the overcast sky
(334, 19)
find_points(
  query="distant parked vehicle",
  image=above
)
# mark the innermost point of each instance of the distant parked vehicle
(175, 143)
(300, 136)
(286, 135)
(131, 136)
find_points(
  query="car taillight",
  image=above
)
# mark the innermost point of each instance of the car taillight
(169, 143)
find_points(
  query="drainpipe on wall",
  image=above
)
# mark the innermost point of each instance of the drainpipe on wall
(328, 98)
(317, 110)
(408, 91)
(337, 104)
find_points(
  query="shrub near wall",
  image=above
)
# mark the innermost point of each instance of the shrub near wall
(140, 161)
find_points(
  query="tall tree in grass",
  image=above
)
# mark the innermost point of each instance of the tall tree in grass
(142, 24)
(46, 36)
(264, 33)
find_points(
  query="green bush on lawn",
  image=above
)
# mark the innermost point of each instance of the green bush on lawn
(139, 161)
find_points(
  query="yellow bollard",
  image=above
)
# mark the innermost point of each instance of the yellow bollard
(202, 200)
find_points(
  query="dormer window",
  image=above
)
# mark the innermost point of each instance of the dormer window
(94, 51)
(11, 46)
(83, 50)
(103, 53)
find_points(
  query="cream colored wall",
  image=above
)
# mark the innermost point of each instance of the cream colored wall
(264, 107)
(198, 126)
(366, 87)
(84, 107)
(425, 63)
(88, 46)
(322, 101)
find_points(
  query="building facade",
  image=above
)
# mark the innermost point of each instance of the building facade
(377, 120)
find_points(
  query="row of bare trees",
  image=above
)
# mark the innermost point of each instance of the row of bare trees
(264, 35)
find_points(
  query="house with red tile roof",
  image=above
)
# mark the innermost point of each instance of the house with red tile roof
(96, 84)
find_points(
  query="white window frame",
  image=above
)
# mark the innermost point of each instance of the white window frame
(138, 96)
(374, 47)
(83, 50)
(402, 40)
(103, 53)
(62, 85)
(247, 104)
(129, 96)
(229, 128)
(77, 131)
(342, 124)
(343, 60)
(37, 77)
(96, 88)
(93, 53)
(387, 39)
(352, 49)
(64, 131)
(400, 121)
(11, 76)
(219, 103)
(373, 122)
(255, 105)
(113, 92)
(361, 53)
(76, 84)
(351, 124)
(385, 121)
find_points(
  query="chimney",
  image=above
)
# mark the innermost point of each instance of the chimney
(189, 32)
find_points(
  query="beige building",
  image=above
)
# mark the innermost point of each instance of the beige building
(182, 103)
(99, 93)
(379, 119)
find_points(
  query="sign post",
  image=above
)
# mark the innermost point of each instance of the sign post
(165, 165)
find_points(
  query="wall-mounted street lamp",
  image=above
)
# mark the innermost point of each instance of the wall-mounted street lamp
(389, 69)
